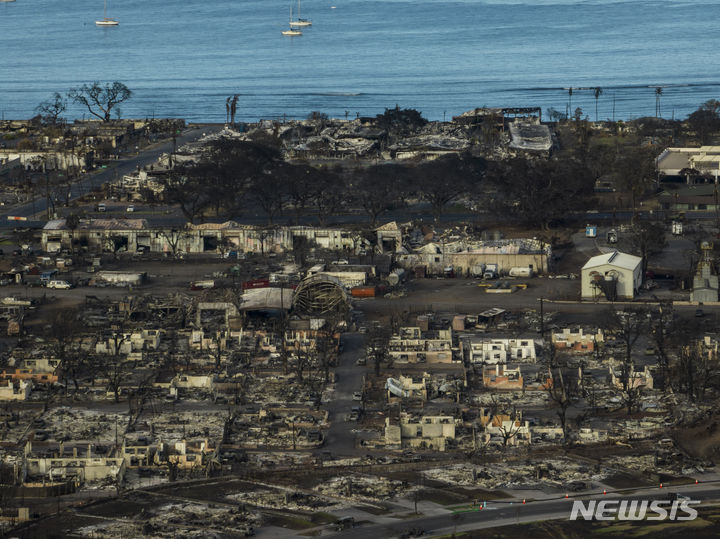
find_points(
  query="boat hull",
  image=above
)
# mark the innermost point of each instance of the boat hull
(107, 22)
(300, 23)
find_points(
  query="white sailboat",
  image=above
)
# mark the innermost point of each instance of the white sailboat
(106, 21)
(299, 22)
(291, 31)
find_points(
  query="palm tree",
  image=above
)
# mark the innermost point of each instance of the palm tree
(658, 93)
(227, 110)
(569, 102)
(597, 92)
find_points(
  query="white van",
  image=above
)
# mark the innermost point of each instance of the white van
(63, 285)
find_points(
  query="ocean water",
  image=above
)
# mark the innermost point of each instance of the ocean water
(182, 58)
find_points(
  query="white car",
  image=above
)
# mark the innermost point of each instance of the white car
(130, 209)
(63, 285)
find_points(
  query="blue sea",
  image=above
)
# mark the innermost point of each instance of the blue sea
(182, 58)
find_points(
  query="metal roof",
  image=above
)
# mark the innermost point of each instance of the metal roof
(616, 258)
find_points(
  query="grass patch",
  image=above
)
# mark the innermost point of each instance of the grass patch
(408, 516)
(322, 518)
(624, 480)
(442, 497)
(675, 480)
(373, 509)
(705, 526)
(481, 494)
(287, 521)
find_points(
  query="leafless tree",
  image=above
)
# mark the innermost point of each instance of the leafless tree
(511, 428)
(174, 238)
(233, 109)
(115, 365)
(627, 326)
(378, 346)
(564, 391)
(52, 108)
(65, 331)
(694, 368)
(100, 100)
(663, 328)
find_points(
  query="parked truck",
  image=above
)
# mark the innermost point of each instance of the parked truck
(491, 271)
(521, 271)
(477, 270)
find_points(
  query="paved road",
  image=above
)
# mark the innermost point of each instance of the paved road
(340, 440)
(503, 514)
(463, 295)
(123, 166)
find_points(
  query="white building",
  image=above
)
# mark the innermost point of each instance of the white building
(705, 160)
(611, 276)
(493, 351)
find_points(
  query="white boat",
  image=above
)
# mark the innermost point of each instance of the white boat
(291, 31)
(106, 21)
(299, 22)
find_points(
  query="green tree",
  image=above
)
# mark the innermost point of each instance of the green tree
(100, 100)
(705, 121)
(400, 121)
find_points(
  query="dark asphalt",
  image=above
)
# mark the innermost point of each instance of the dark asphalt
(504, 513)
(340, 440)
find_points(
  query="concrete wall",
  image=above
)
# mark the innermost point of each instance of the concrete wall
(629, 282)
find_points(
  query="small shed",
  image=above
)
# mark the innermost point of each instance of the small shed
(611, 276)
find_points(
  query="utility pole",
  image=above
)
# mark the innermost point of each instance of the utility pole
(542, 318)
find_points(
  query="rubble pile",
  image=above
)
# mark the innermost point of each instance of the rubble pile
(363, 487)
(667, 460)
(178, 520)
(65, 423)
(283, 500)
(190, 425)
(546, 474)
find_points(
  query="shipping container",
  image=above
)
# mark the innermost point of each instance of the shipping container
(202, 285)
(256, 283)
(363, 292)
